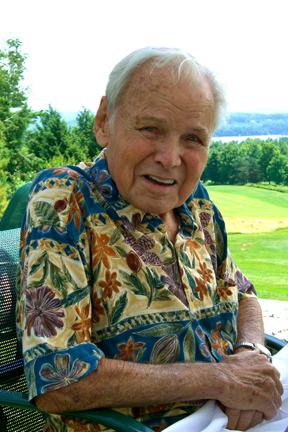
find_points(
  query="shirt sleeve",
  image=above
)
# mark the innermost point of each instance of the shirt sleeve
(54, 310)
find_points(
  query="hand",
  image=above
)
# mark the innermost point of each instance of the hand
(252, 384)
(242, 420)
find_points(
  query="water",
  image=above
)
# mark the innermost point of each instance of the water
(243, 138)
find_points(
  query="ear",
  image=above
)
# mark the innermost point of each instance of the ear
(101, 123)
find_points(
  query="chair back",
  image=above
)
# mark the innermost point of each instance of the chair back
(14, 212)
(12, 376)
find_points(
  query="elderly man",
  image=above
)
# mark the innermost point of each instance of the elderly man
(129, 297)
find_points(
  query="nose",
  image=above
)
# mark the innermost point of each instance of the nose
(168, 153)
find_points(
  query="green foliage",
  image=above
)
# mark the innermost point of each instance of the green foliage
(51, 137)
(31, 141)
(3, 193)
(269, 186)
(15, 115)
(52, 143)
(277, 170)
(268, 151)
(251, 161)
(84, 132)
(61, 160)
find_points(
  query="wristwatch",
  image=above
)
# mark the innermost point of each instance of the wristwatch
(263, 350)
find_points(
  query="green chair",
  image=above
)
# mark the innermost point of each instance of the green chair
(17, 414)
(14, 212)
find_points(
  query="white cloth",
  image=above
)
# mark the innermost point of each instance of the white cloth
(210, 418)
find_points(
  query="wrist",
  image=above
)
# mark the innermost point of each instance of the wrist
(240, 349)
(241, 346)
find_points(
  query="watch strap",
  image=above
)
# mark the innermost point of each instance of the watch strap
(245, 345)
(263, 350)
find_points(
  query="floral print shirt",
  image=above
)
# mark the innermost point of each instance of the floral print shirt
(98, 277)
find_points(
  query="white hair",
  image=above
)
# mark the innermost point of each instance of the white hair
(181, 64)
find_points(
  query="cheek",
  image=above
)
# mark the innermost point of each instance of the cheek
(195, 162)
(195, 165)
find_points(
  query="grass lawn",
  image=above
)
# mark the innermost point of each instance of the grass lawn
(244, 201)
(263, 257)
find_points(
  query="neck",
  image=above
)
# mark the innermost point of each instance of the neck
(171, 222)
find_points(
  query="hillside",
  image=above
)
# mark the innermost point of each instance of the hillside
(237, 124)
(251, 124)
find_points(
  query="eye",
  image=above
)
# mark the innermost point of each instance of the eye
(194, 141)
(149, 132)
(149, 129)
(193, 138)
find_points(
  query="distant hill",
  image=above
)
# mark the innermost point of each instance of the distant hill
(237, 124)
(249, 124)
(69, 117)
(266, 111)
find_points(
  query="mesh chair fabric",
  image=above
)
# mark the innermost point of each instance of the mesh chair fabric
(11, 365)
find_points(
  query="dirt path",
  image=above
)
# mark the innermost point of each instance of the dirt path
(254, 225)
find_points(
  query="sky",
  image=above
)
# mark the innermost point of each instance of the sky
(73, 45)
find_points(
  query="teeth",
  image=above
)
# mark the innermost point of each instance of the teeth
(161, 180)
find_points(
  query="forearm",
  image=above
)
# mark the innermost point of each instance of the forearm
(244, 382)
(250, 326)
(118, 384)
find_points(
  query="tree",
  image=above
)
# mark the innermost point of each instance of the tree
(84, 131)
(278, 168)
(254, 171)
(3, 193)
(51, 137)
(228, 166)
(15, 115)
(242, 174)
(212, 169)
(283, 147)
(268, 151)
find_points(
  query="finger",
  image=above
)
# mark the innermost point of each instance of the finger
(244, 420)
(277, 380)
(277, 400)
(233, 417)
(279, 386)
(270, 413)
(257, 419)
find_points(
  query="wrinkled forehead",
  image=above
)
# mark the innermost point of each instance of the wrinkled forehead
(150, 81)
(152, 75)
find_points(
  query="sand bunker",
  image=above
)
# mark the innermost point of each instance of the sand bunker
(254, 225)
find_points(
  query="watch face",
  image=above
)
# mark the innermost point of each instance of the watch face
(263, 350)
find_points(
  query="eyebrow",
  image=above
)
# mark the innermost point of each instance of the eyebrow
(151, 118)
(199, 130)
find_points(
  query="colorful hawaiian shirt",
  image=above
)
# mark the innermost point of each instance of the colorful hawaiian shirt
(98, 277)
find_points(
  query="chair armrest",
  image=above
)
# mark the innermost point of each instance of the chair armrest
(105, 416)
(274, 343)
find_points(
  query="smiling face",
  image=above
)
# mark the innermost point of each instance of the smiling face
(157, 141)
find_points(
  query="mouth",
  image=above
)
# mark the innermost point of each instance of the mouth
(159, 181)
